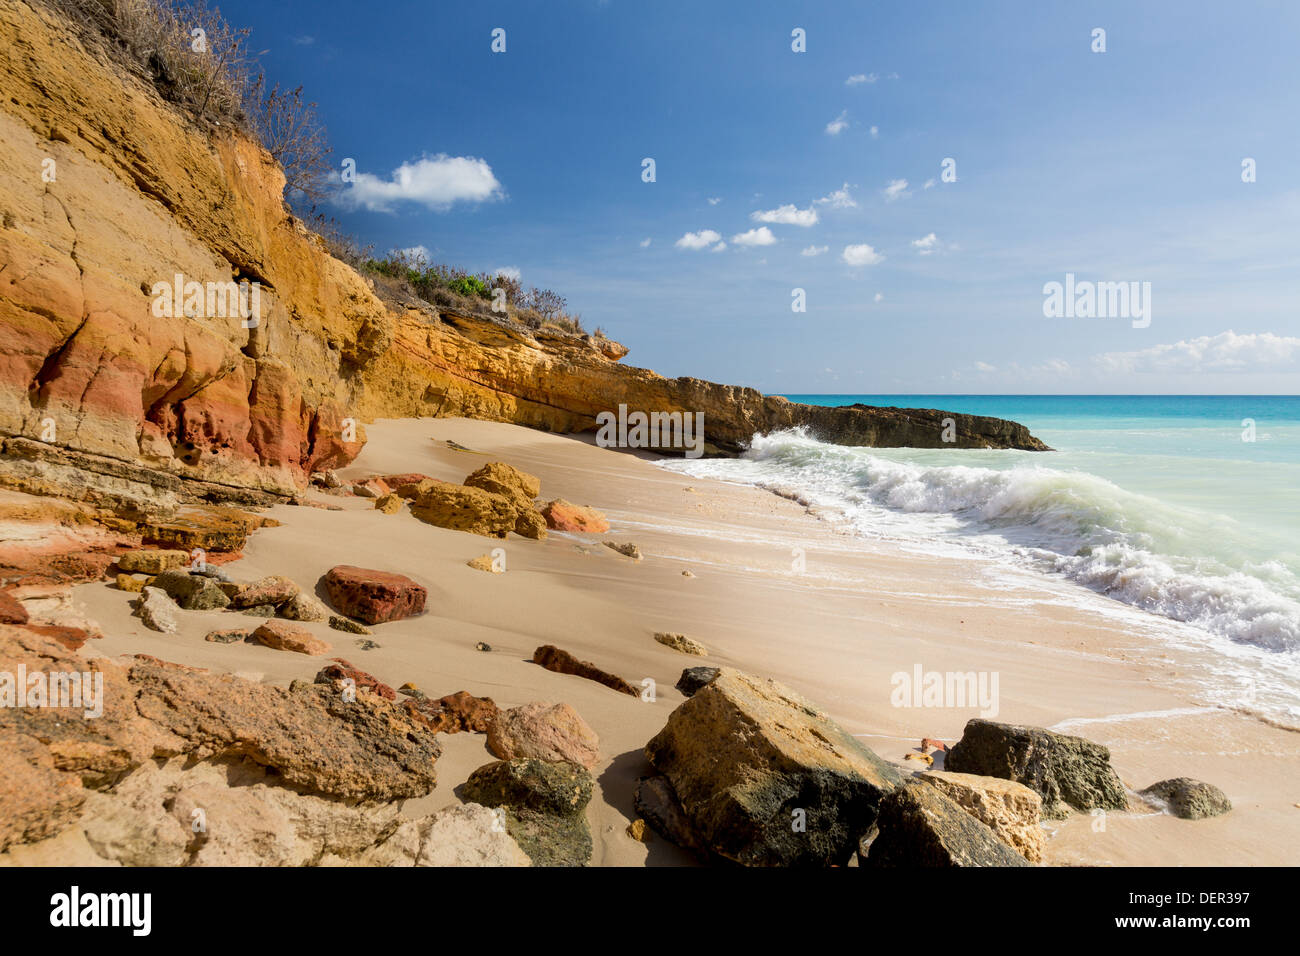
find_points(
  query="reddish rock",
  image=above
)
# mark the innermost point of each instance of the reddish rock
(343, 670)
(564, 515)
(284, 636)
(371, 488)
(407, 478)
(929, 743)
(373, 597)
(562, 662)
(544, 732)
(456, 713)
(11, 610)
(70, 637)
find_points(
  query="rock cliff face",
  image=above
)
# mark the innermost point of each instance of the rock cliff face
(106, 192)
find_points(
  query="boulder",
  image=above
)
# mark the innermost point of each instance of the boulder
(346, 625)
(228, 637)
(693, 678)
(339, 669)
(564, 515)
(466, 509)
(562, 662)
(152, 561)
(274, 589)
(919, 826)
(530, 524)
(657, 804)
(628, 550)
(370, 488)
(465, 834)
(1011, 810)
(389, 504)
(305, 607)
(682, 644)
(1187, 798)
(544, 804)
(545, 732)
(748, 759)
(156, 610)
(456, 713)
(373, 596)
(131, 583)
(519, 488)
(193, 592)
(1067, 772)
(283, 636)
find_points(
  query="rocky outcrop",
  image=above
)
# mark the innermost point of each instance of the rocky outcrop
(202, 402)
(544, 804)
(1187, 798)
(1067, 772)
(1011, 810)
(693, 678)
(563, 515)
(283, 636)
(919, 826)
(544, 732)
(456, 713)
(765, 778)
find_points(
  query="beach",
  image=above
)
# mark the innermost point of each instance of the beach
(774, 590)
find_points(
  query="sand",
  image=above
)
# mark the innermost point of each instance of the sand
(836, 631)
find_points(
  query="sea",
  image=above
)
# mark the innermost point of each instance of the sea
(1182, 510)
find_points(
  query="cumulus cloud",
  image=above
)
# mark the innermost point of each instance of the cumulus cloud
(839, 199)
(788, 215)
(698, 240)
(762, 236)
(435, 182)
(815, 250)
(839, 124)
(896, 189)
(926, 244)
(645, 243)
(857, 79)
(714, 200)
(861, 255)
(1225, 352)
(875, 132)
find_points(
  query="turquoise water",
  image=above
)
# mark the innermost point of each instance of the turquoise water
(1168, 504)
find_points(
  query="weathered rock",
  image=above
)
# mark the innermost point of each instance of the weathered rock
(460, 508)
(305, 607)
(131, 583)
(530, 524)
(1067, 772)
(412, 490)
(407, 478)
(564, 515)
(283, 636)
(371, 488)
(498, 478)
(11, 609)
(389, 504)
(348, 626)
(484, 562)
(156, 610)
(638, 831)
(374, 597)
(929, 745)
(259, 610)
(462, 835)
(484, 647)
(657, 804)
(152, 561)
(274, 589)
(1187, 798)
(919, 758)
(562, 662)
(341, 670)
(544, 806)
(746, 757)
(682, 644)
(1011, 810)
(456, 713)
(628, 550)
(544, 732)
(228, 637)
(921, 827)
(693, 678)
(193, 592)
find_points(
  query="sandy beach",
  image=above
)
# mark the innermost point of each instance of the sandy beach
(857, 613)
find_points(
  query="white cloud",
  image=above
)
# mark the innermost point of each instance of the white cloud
(861, 255)
(838, 125)
(897, 189)
(928, 184)
(880, 297)
(435, 182)
(304, 40)
(719, 247)
(788, 215)
(762, 236)
(698, 240)
(859, 78)
(645, 243)
(1225, 352)
(815, 250)
(714, 200)
(839, 199)
(415, 252)
(875, 132)
(926, 244)
(985, 367)
(510, 272)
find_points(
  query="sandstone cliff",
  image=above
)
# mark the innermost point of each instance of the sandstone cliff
(106, 191)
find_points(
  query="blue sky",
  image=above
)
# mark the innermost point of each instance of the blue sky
(1117, 166)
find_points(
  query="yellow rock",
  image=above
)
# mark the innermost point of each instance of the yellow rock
(638, 831)
(129, 582)
(484, 563)
(388, 504)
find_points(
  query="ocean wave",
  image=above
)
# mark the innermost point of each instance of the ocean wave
(1182, 564)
